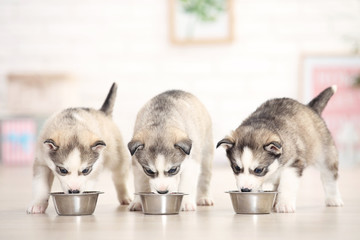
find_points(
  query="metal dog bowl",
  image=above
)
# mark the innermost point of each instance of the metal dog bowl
(75, 204)
(161, 203)
(252, 202)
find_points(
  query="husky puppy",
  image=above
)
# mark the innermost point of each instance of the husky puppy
(75, 145)
(172, 149)
(273, 146)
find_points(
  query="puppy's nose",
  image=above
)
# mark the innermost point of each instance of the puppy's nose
(162, 192)
(74, 191)
(245, 190)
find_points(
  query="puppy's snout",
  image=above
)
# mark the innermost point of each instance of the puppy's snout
(74, 191)
(245, 190)
(163, 192)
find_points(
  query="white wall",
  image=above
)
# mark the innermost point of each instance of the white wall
(127, 41)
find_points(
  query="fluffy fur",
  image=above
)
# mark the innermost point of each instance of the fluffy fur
(272, 147)
(75, 145)
(172, 149)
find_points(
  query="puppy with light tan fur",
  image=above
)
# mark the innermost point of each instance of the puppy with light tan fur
(273, 146)
(172, 149)
(75, 145)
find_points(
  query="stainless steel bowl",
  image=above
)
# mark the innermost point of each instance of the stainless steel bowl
(252, 202)
(75, 204)
(161, 203)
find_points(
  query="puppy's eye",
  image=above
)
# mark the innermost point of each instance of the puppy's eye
(62, 171)
(258, 171)
(174, 170)
(149, 172)
(236, 169)
(87, 170)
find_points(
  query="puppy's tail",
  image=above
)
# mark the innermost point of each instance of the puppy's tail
(109, 103)
(318, 104)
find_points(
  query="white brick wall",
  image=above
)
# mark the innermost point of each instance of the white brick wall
(127, 42)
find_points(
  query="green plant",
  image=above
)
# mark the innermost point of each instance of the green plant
(357, 81)
(204, 10)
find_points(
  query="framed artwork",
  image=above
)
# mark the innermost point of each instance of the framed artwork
(342, 114)
(17, 141)
(201, 22)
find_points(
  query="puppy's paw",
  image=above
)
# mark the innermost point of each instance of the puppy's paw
(125, 200)
(188, 206)
(135, 206)
(205, 201)
(37, 208)
(285, 207)
(334, 202)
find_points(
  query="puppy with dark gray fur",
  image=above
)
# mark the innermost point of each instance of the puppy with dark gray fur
(172, 149)
(75, 145)
(273, 146)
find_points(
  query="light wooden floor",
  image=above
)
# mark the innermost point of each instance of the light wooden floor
(311, 221)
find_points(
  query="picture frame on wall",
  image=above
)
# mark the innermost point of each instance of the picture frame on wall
(17, 140)
(201, 22)
(342, 113)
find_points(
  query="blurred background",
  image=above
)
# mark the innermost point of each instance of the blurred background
(232, 54)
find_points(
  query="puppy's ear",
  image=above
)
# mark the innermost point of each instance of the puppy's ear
(274, 148)
(98, 146)
(226, 142)
(184, 145)
(51, 145)
(135, 145)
